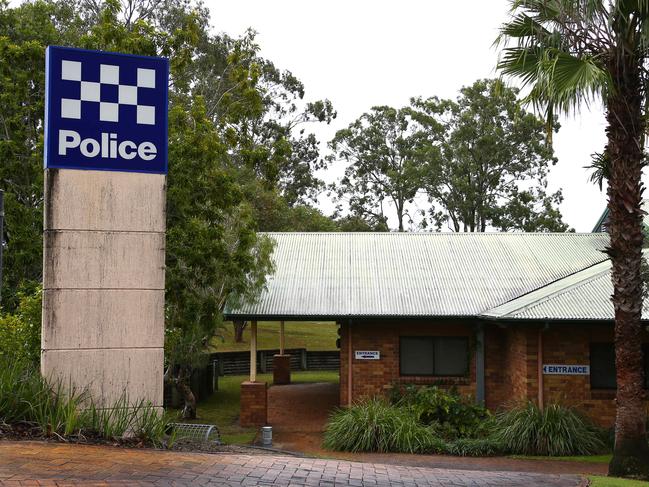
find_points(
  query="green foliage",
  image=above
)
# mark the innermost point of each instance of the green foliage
(273, 214)
(20, 331)
(109, 423)
(488, 162)
(16, 390)
(556, 430)
(568, 54)
(482, 160)
(451, 414)
(237, 138)
(385, 167)
(600, 481)
(375, 425)
(475, 447)
(55, 409)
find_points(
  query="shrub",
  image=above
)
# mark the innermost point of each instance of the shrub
(554, 431)
(475, 447)
(51, 409)
(20, 332)
(375, 425)
(18, 386)
(452, 414)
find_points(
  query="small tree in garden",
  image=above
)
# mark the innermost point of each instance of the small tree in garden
(570, 52)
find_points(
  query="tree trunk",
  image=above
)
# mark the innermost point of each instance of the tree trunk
(400, 217)
(239, 326)
(625, 147)
(182, 385)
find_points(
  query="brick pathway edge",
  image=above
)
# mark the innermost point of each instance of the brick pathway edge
(37, 463)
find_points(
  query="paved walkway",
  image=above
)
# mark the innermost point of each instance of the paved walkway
(35, 463)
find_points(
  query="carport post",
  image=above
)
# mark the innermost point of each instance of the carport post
(281, 338)
(253, 351)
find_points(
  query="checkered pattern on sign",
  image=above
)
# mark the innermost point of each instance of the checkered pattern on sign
(91, 92)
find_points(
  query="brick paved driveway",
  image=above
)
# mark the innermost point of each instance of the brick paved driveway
(34, 463)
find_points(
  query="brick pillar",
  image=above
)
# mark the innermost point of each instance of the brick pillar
(254, 404)
(281, 369)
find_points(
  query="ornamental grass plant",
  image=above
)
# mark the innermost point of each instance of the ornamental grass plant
(430, 419)
(555, 431)
(375, 425)
(38, 408)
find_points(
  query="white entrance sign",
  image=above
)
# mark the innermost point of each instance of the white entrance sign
(557, 369)
(367, 355)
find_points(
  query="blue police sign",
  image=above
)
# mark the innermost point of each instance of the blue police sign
(105, 111)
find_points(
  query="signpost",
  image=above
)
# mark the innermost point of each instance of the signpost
(104, 226)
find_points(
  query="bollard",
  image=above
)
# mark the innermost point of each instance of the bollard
(267, 436)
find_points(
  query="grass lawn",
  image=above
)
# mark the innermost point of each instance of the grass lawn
(577, 458)
(312, 335)
(222, 409)
(597, 481)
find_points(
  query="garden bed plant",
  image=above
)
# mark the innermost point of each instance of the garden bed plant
(33, 408)
(431, 419)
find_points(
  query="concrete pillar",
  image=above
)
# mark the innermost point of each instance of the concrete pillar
(103, 283)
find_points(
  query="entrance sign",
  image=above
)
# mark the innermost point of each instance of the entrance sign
(367, 355)
(105, 111)
(555, 369)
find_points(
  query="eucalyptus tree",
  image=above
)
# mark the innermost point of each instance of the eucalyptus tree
(570, 52)
(386, 166)
(487, 162)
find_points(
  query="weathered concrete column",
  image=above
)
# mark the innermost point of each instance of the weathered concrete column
(103, 283)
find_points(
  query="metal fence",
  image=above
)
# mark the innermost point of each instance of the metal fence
(204, 381)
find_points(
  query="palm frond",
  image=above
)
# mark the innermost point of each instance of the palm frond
(600, 167)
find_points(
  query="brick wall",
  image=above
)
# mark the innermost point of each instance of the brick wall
(571, 345)
(511, 362)
(372, 377)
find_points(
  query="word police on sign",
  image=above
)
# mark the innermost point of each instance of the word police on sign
(367, 355)
(105, 111)
(554, 369)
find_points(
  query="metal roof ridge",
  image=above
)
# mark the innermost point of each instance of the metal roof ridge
(549, 291)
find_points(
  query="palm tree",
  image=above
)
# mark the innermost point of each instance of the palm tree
(571, 52)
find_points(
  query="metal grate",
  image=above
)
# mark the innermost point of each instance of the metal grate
(198, 432)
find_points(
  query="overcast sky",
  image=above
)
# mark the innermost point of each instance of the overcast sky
(362, 53)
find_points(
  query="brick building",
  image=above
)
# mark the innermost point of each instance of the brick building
(502, 316)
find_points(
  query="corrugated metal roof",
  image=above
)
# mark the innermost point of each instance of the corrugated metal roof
(415, 274)
(585, 295)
